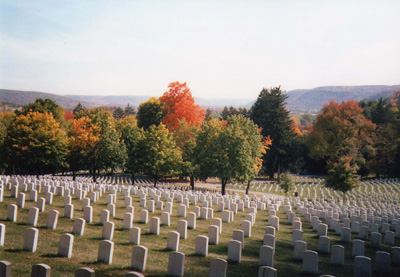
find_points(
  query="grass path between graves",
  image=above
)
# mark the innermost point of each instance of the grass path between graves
(86, 247)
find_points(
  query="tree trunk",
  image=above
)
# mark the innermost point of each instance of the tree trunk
(133, 178)
(248, 187)
(279, 172)
(94, 175)
(73, 175)
(155, 181)
(223, 183)
(192, 182)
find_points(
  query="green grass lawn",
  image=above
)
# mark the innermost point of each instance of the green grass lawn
(85, 247)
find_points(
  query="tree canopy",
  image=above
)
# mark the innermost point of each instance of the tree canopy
(35, 144)
(341, 130)
(270, 114)
(150, 113)
(178, 104)
(230, 151)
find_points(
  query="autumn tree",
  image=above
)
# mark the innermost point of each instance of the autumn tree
(35, 144)
(178, 104)
(270, 114)
(341, 130)
(68, 115)
(230, 151)
(342, 175)
(83, 137)
(45, 106)
(161, 157)
(150, 113)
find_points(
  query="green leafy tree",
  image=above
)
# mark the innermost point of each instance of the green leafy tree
(133, 137)
(161, 157)
(150, 113)
(35, 144)
(286, 182)
(78, 110)
(230, 151)
(269, 113)
(185, 138)
(110, 151)
(342, 175)
(45, 106)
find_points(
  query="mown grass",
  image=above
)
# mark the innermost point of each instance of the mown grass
(86, 247)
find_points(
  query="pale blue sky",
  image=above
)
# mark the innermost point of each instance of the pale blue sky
(229, 49)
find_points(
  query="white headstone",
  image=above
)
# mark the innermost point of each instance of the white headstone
(176, 262)
(173, 241)
(139, 258)
(65, 245)
(52, 219)
(201, 246)
(106, 251)
(31, 239)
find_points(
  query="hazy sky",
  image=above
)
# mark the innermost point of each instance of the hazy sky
(229, 49)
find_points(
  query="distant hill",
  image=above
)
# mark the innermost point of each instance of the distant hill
(301, 100)
(20, 97)
(312, 100)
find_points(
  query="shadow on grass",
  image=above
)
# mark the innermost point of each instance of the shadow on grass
(51, 256)
(164, 250)
(125, 243)
(24, 224)
(14, 250)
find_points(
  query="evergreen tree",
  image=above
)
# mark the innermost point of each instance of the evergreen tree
(129, 110)
(269, 113)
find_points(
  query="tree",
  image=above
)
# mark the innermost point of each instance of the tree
(118, 113)
(45, 106)
(150, 113)
(110, 152)
(35, 144)
(185, 138)
(129, 110)
(133, 137)
(83, 137)
(78, 109)
(226, 112)
(68, 115)
(341, 130)
(230, 151)
(286, 182)
(160, 155)
(178, 104)
(342, 175)
(269, 113)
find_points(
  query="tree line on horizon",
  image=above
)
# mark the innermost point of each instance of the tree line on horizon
(172, 136)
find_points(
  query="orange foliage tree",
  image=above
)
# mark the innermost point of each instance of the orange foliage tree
(82, 142)
(178, 105)
(341, 130)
